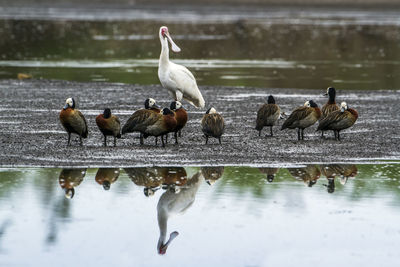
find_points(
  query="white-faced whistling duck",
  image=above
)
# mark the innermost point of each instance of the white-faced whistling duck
(150, 107)
(267, 115)
(73, 121)
(150, 123)
(213, 124)
(339, 120)
(181, 117)
(109, 125)
(329, 106)
(151, 104)
(302, 117)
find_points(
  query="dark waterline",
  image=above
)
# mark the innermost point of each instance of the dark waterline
(240, 215)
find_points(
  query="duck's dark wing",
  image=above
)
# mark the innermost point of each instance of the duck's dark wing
(140, 120)
(213, 125)
(297, 115)
(337, 118)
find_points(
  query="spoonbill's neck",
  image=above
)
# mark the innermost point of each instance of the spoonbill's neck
(162, 224)
(164, 56)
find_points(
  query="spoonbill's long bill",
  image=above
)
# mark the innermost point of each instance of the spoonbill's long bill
(179, 81)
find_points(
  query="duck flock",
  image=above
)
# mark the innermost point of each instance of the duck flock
(181, 84)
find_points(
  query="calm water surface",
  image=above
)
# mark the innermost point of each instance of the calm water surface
(349, 49)
(329, 215)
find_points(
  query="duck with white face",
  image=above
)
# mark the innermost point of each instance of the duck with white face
(339, 120)
(302, 117)
(177, 79)
(73, 121)
(151, 104)
(137, 121)
(213, 124)
(150, 123)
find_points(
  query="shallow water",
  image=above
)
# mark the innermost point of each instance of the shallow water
(232, 216)
(278, 48)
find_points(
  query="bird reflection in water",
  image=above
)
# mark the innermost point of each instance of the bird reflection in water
(150, 178)
(107, 176)
(173, 178)
(212, 174)
(172, 203)
(270, 172)
(69, 179)
(344, 171)
(154, 178)
(309, 175)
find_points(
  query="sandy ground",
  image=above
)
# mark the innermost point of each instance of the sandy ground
(31, 134)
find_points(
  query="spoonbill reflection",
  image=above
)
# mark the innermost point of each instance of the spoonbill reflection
(172, 203)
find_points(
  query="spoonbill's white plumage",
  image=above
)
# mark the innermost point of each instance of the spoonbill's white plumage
(177, 79)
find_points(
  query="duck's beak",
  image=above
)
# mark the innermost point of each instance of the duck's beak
(163, 249)
(66, 106)
(174, 47)
(156, 106)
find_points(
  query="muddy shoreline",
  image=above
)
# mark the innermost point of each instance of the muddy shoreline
(31, 135)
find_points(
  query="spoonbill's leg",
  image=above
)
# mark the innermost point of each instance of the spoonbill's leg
(179, 95)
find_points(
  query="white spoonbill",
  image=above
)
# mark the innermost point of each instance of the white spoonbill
(177, 79)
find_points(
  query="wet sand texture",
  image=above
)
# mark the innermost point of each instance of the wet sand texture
(31, 134)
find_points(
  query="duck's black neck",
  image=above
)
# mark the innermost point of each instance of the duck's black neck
(332, 96)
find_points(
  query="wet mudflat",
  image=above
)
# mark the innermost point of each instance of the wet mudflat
(330, 215)
(31, 134)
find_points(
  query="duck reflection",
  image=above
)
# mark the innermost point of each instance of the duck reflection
(153, 178)
(107, 176)
(150, 178)
(69, 179)
(309, 175)
(174, 178)
(172, 203)
(270, 172)
(212, 174)
(344, 171)
(347, 171)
